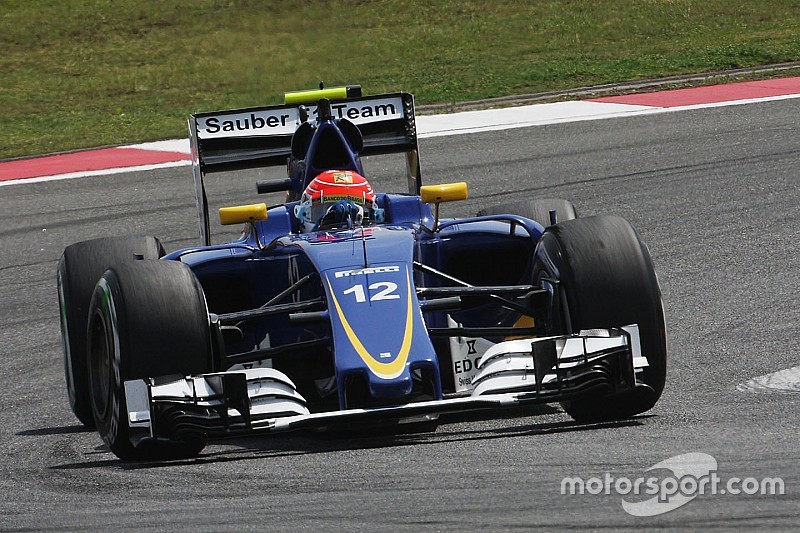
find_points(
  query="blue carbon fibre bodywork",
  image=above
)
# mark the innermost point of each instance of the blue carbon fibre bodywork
(378, 331)
(381, 341)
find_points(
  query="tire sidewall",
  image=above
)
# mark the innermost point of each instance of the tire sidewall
(74, 367)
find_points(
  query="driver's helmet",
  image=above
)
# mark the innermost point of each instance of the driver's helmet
(337, 199)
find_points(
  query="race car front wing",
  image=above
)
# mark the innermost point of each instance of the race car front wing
(512, 373)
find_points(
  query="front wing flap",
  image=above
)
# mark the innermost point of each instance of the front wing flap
(512, 373)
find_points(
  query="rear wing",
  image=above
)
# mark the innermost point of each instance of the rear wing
(261, 136)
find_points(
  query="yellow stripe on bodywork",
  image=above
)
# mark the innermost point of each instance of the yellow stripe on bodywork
(382, 370)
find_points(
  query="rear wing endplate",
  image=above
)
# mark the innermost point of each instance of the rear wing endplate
(261, 136)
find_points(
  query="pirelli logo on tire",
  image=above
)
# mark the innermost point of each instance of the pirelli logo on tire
(283, 120)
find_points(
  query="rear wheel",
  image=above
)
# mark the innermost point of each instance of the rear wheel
(80, 267)
(538, 210)
(607, 279)
(147, 319)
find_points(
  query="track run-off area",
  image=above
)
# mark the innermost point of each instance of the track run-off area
(709, 177)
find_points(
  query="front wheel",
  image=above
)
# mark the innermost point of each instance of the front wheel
(607, 280)
(146, 319)
(80, 267)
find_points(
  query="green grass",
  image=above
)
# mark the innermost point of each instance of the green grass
(77, 74)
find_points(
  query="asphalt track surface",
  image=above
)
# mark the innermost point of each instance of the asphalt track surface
(714, 192)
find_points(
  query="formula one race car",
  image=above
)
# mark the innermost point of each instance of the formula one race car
(346, 308)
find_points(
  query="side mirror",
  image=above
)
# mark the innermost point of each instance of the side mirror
(446, 192)
(242, 213)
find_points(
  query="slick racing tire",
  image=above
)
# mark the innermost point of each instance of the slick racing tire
(80, 267)
(146, 319)
(538, 210)
(607, 277)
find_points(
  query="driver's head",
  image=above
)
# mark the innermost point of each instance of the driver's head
(337, 199)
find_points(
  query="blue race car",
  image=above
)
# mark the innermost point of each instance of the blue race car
(346, 308)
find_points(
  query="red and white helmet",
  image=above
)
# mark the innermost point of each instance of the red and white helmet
(339, 194)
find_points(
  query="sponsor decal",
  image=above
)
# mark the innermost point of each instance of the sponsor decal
(363, 113)
(465, 352)
(284, 120)
(333, 198)
(342, 177)
(243, 123)
(370, 270)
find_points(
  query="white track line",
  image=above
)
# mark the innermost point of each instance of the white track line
(521, 117)
(174, 145)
